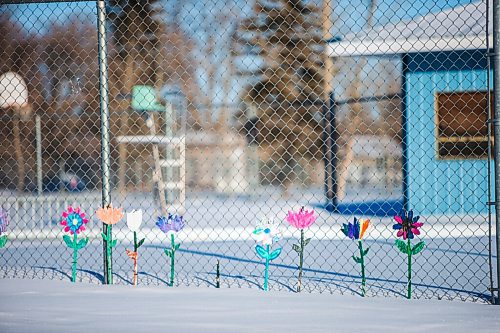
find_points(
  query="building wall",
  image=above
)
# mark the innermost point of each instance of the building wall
(435, 186)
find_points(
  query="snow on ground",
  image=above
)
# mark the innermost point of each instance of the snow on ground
(57, 306)
(453, 265)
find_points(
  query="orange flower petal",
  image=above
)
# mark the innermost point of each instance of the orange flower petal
(109, 215)
(364, 226)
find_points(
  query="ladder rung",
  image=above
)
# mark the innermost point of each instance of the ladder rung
(173, 185)
(151, 139)
(170, 163)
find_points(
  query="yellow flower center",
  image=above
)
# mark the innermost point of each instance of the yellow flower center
(75, 222)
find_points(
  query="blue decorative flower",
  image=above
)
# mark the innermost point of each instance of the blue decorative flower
(74, 220)
(173, 223)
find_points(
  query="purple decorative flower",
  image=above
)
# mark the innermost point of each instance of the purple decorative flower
(4, 221)
(407, 225)
(356, 230)
(173, 223)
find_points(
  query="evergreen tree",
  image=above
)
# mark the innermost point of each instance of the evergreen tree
(136, 33)
(285, 37)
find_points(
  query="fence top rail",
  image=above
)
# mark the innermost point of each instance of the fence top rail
(20, 2)
(48, 198)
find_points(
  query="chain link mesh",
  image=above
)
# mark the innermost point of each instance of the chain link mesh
(230, 111)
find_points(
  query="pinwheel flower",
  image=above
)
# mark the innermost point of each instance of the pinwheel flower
(134, 221)
(356, 231)
(109, 216)
(74, 222)
(407, 226)
(301, 220)
(267, 233)
(4, 222)
(171, 224)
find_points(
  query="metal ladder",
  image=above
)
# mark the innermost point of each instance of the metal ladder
(172, 189)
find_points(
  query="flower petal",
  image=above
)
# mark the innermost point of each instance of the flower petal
(398, 219)
(364, 226)
(356, 229)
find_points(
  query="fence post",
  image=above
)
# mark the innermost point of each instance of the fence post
(105, 147)
(330, 154)
(496, 108)
(39, 170)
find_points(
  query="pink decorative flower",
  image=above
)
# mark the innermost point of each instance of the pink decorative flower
(407, 225)
(74, 220)
(301, 220)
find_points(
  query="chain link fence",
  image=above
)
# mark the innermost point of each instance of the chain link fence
(227, 112)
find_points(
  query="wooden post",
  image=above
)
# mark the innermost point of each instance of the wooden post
(21, 172)
(158, 178)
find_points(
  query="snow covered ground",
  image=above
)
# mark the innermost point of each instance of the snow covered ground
(58, 306)
(454, 264)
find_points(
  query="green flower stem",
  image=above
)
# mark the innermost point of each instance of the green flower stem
(266, 273)
(135, 241)
(136, 258)
(75, 257)
(301, 259)
(409, 269)
(172, 260)
(362, 263)
(108, 257)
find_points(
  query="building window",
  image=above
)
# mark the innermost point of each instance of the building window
(462, 131)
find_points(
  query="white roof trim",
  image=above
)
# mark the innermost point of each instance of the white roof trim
(406, 45)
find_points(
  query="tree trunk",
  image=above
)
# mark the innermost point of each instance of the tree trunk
(356, 120)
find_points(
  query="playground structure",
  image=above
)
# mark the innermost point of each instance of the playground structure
(169, 165)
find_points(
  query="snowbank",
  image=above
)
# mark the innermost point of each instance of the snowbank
(57, 306)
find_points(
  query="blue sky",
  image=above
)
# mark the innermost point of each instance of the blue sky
(351, 13)
(196, 19)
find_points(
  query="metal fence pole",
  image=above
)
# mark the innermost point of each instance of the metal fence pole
(330, 154)
(496, 108)
(333, 151)
(105, 147)
(39, 172)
